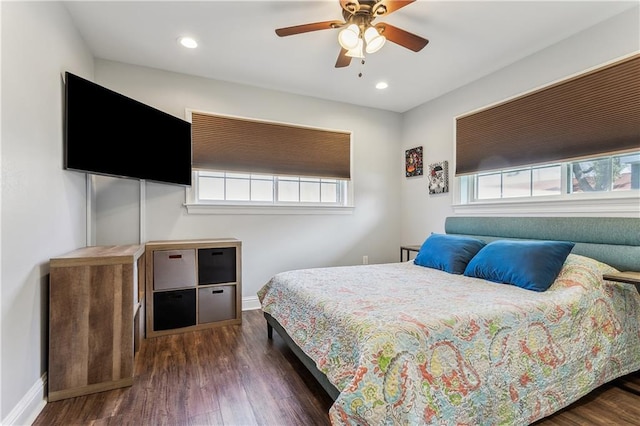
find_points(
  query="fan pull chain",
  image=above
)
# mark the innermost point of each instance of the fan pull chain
(361, 66)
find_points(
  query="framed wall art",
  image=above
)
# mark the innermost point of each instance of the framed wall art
(439, 177)
(413, 162)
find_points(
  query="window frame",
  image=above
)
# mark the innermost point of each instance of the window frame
(195, 205)
(569, 203)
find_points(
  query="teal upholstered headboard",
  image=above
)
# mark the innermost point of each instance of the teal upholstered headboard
(612, 240)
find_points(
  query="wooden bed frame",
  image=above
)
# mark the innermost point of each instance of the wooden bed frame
(614, 241)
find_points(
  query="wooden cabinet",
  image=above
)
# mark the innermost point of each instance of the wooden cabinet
(96, 298)
(192, 284)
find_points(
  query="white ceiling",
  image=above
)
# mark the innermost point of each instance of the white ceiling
(237, 42)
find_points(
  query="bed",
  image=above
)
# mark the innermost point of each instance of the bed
(405, 343)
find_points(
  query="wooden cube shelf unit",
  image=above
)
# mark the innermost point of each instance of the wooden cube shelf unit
(95, 300)
(192, 285)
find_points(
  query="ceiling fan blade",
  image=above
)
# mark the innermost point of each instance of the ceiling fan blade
(343, 59)
(305, 28)
(390, 6)
(402, 37)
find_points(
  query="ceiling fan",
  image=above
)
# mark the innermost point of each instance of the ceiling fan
(358, 33)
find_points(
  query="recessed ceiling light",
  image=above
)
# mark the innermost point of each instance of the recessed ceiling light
(188, 42)
(382, 85)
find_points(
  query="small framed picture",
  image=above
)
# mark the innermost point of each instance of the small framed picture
(439, 177)
(413, 162)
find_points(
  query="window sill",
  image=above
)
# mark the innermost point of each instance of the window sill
(235, 209)
(584, 206)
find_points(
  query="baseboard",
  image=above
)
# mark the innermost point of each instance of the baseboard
(250, 303)
(31, 404)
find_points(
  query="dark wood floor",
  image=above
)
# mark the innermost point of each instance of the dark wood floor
(234, 375)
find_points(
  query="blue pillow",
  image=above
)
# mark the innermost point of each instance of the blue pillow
(533, 265)
(449, 253)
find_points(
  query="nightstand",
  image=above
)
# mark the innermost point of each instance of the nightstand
(405, 251)
(625, 277)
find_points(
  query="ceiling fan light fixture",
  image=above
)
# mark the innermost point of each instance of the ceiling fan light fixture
(358, 17)
(349, 37)
(356, 52)
(374, 40)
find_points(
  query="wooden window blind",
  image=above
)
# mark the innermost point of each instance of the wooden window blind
(592, 114)
(243, 145)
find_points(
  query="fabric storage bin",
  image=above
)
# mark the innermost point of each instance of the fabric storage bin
(216, 265)
(174, 309)
(174, 269)
(216, 303)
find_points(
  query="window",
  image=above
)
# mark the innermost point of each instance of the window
(591, 114)
(220, 187)
(252, 166)
(614, 173)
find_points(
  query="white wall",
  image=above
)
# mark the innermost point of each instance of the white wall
(271, 243)
(43, 206)
(432, 124)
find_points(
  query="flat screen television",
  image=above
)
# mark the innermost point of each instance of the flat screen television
(107, 133)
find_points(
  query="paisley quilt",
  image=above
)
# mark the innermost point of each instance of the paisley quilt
(405, 344)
